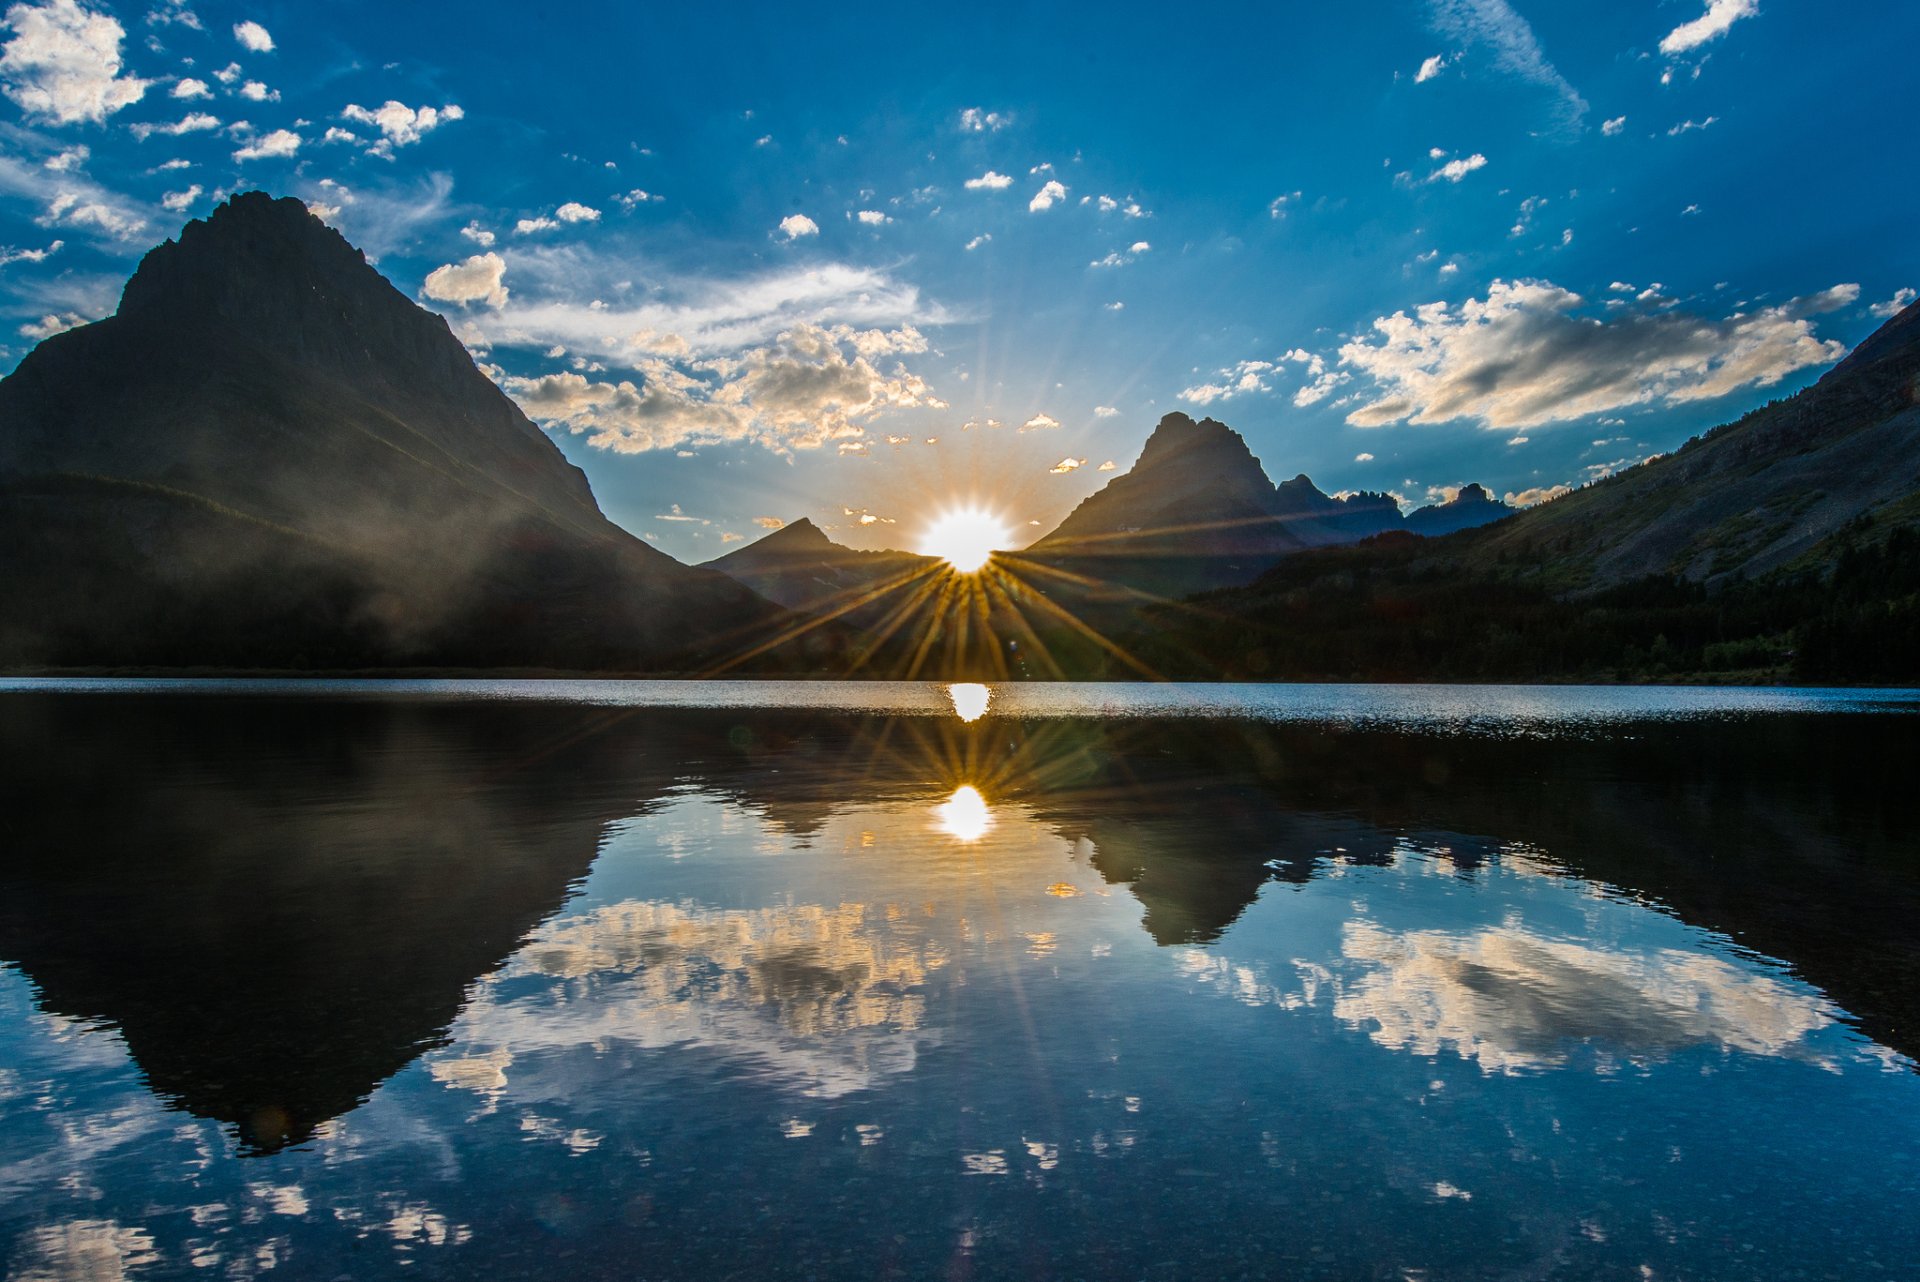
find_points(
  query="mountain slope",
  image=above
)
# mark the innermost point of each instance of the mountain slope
(1785, 544)
(269, 456)
(1765, 492)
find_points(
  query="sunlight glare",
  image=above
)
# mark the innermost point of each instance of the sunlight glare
(965, 538)
(964, 815)
(970, 699)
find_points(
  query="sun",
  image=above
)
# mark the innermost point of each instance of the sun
(965, 538)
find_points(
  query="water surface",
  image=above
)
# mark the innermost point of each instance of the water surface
(758, 979)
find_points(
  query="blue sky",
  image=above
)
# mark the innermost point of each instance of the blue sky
(859, 262)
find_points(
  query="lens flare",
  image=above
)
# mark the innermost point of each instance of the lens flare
(970, 699)
(965, 538)
(964, 815)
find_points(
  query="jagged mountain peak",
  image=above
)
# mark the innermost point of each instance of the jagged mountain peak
(252, 242)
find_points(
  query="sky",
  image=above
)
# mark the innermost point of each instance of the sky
(866, 264)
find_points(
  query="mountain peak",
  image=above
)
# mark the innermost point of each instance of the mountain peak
(249, 239)
(797, 535)
(1178, 433)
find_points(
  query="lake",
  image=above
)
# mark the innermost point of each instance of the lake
(834, 980)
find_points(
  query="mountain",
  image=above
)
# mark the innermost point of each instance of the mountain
(1769, 491)
(1324, 519)
(1197, 511)
(1472, 506)
(1783, 545)
(269, 456)
(798, 566)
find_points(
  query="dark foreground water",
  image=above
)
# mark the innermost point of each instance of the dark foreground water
(570, 981)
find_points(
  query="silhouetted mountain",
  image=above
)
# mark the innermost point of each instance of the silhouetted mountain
(1471, 506)
(800, 567)
(1326, 519)
(270, 456)
(1197, 511)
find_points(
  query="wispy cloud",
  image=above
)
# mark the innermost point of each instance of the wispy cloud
(1508, 38)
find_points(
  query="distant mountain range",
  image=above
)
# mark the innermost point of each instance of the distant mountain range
(1196, 512)
(270, 457)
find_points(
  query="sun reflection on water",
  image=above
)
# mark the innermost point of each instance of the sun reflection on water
(964, 815)
(970, 699)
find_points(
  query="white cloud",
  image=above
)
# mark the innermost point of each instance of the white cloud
(1040, 423)
(1139, 247)
(1068, 464)
(1516, 51)
(10, 255)
(1255, 376)
(704, 317)
(1280, 204)
(797, 225)
(63, 63)
(1454, 170)
(1044, 198)
(480, 278)
(873, 218)
(1537, 495)
(1711, 25)
(1527, 355)
(255, 91)
(1105, 411)
(974, 120)
(1687, 126)
(1363, 458)
(253, 37)
(1831, 299)
(802, 391)
(52, 323)
(529, 226)
(1614, 126)
(989, 181)
(1516, 1002)
(279, 143)
(68, 160)
(188, 87)
(979, 240)
(1107, 466)
(575, 212)
(89, 210)
(1901, 300)
(192, 123)
(174, 11)
(638, 196)
(479, 235)
(1430, 68)
(178, 202)
(399, 124)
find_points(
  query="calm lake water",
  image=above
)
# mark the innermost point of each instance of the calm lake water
(823, 980)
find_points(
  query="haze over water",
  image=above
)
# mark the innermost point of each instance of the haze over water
(824, 980)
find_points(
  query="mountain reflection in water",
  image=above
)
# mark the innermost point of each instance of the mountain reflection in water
(567, 919)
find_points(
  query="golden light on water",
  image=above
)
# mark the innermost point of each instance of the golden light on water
(965, 814)
(970, 699)
(965, 538)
